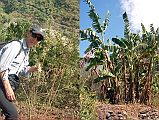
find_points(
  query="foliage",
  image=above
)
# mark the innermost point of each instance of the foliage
(87, 100)
(58, 54)
(97, 56)
(126, 65)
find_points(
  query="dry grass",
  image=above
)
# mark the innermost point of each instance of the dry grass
(45, 114)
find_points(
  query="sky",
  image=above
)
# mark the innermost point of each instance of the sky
(138, 11)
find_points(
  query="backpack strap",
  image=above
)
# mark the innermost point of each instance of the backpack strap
(2, 44)
(20, 48)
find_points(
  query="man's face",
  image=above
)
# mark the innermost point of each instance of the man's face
(33, 39)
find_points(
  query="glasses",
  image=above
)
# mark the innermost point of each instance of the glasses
(38, 36)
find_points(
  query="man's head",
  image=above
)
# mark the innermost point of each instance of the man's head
(34, 36)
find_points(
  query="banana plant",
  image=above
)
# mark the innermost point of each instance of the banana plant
(97, 58)
(129, 48)
(150, 57)
(96, 55)
(138, 54)
(129, 60)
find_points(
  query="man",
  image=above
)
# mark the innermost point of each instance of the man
(14, 58)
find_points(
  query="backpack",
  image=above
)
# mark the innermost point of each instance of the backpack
(13, 79)
(2, 44)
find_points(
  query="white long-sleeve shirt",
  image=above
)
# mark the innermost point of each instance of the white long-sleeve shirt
(14, 59)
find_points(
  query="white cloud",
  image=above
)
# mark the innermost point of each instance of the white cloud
(141, 11)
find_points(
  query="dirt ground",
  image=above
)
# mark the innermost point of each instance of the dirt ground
(127, 112)
(104, 112)
(50, 117)
(52, 114)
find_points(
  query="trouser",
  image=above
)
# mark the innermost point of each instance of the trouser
(7, 106)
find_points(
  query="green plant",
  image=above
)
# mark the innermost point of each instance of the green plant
(87, 104)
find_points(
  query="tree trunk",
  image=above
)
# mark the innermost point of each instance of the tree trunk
(125, 80)
(149, 82)
(146, 91)
(137, 86)
(132, 87)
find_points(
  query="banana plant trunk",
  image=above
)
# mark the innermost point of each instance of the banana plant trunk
(149, 82)
(146, 91)
(137, 86)
(115, 81)
(132, 86)
(125, 80)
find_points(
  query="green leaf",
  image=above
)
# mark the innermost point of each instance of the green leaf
(105, 76)
(119, 42)
(127, 43)
(83, 35)
(105, 23)
(89, 34)
(97, 60)
(118, 67)
(143, 28)
(88, 49)
(152, 30)
(127, 26)
(95, 19)
(98, 79)
(107, 73)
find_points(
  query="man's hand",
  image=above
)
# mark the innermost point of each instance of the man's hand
(35, 68)
(8, 90)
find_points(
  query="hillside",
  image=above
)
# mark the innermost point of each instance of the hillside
(55, 90)
(61, 15)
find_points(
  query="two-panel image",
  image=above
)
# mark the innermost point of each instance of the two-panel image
(79, 60)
